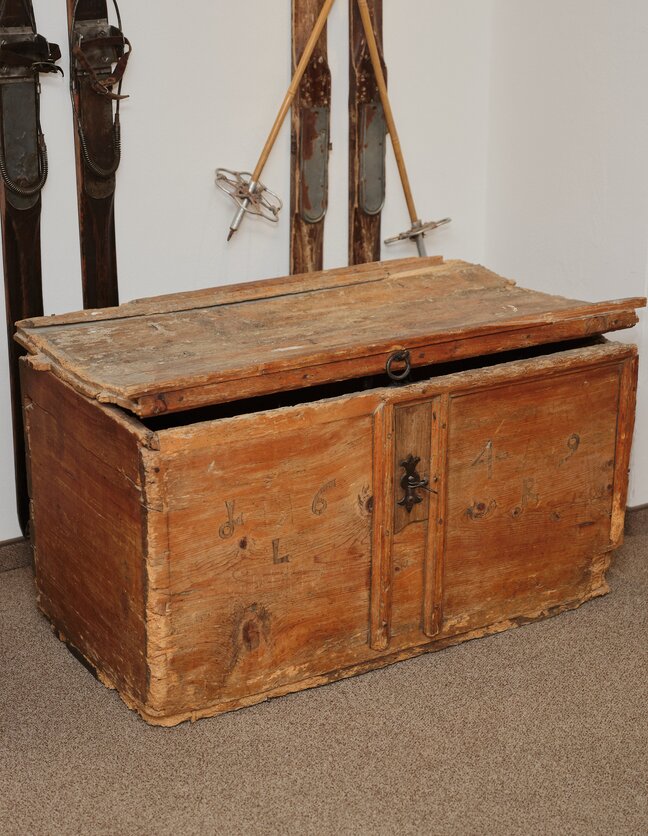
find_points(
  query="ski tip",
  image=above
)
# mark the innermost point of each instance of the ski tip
(230, 234)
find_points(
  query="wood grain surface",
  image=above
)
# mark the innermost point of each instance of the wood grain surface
(238, 349)
(95, 195)
(269, 529)
(364, 229)
(530, 479)
(87, 503)
(213, 564)
(306, 239)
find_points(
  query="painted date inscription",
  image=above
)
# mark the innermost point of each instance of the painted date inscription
(277, 557)
(573, 443)
(488, 457)
(228, 528)
(320, 503)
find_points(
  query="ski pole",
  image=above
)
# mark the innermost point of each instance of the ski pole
(249, 193)
(418, 228)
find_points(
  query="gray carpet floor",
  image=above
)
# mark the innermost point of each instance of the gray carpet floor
(541, 730)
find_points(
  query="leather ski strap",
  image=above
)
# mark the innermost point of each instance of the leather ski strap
(99, 56)
(24, 55)
(103, 86)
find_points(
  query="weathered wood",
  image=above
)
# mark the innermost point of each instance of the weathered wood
(438, 523)
(23, 297)
(411, 438)
(212, 565)
(269, 529)
(95, 194)
(229, 294)
(313, 99)
(22, 146)
(87, 505)
(381, 556)
(625, 428)
(529, 495)
(364, 229)
(308, 51)
(232, 350)
(381, 83)
(250, 552)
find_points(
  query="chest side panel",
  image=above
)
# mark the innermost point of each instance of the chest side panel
(86, 498)
(530, 481)
(270, 529)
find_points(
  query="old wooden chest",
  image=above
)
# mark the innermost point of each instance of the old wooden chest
(232, 500)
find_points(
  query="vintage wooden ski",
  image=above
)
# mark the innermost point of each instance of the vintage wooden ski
(245, 188)
(417, 230)
(23, 171)
(367, 140)
(99, 54)
(311, 119)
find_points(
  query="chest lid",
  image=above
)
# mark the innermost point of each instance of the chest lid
(197, 348)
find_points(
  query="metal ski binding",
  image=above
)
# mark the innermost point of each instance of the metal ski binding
(24, 55)
(249, 195)
(417, 232)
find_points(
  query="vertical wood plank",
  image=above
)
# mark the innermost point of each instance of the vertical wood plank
(381, 545)
(306, 239)
(625, 428)
(23, 297)
(88, 505)
(20, 219)
(435, 547)
(364, 230)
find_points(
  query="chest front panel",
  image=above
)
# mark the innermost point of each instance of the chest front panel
(269, 525)
(529, 496)
(309, 540)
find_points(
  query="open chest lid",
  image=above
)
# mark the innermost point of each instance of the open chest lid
(192, 349)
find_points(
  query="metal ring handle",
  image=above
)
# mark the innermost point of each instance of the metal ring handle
(399, 357)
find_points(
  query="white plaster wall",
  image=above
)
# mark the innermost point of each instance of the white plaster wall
(196, 105)
(567, 196)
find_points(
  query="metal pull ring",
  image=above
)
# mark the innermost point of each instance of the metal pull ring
(399, 357)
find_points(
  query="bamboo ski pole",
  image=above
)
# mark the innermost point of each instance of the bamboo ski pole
(418, 228)
(389, 114)
(253, 184)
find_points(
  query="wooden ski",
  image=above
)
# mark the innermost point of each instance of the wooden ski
(367, 140)
(23, 171)
(98, 57)
(311, 118)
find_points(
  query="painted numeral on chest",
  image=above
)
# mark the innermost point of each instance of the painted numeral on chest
(277, 557)
(228, 528)
(573, 443)
(529, 497)
(320, 504)
(486, 457)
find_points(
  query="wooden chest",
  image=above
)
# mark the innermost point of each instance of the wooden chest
(231, 500)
